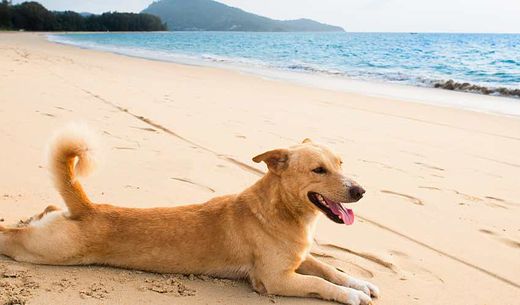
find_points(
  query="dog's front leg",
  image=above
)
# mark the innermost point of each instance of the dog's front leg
(298, 285)
(312, 266)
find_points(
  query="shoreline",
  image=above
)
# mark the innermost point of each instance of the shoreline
(442, 191)
(472, 101)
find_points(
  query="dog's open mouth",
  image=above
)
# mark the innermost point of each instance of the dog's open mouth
(335, 211)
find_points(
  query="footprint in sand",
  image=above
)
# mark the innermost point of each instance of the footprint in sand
(367, 256)
(411, 269)
(492, 201)
(495, 198)
(511, 243)
(128, 186)
(383, 165)
(398, 253)
(145, 128)
(500, 200)
(64, 109)
(243, 166)
(467, 196)
(46, 114)
(410, 198)
(136, 143)
(124, 148)
(429, 166)
(507, 241)
(433, 188)
(205, 187)
(344, 266)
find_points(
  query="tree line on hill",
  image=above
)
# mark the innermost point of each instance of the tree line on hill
(32, 16)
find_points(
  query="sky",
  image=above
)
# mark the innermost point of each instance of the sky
(477, 16)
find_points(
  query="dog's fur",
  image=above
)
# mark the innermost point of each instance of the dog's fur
(263, 234)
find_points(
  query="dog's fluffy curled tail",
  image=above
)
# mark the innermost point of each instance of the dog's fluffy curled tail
(71, 154)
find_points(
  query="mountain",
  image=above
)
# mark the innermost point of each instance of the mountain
(208, 15)
(86, 14)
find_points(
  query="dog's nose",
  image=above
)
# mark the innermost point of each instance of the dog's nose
(356, 192)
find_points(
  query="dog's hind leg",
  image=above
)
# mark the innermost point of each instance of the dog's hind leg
(50, 208)
(48, 240)
(12, 245)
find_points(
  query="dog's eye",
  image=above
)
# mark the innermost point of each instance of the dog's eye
(320, 170)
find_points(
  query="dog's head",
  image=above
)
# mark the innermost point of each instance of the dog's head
(311, 174)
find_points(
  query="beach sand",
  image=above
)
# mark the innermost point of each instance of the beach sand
(440, 223)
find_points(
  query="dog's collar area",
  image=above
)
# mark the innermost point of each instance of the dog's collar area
(332, 209)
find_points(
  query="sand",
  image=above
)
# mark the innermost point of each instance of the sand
(440, 223)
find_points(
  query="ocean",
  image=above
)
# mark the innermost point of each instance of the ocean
(479, 63)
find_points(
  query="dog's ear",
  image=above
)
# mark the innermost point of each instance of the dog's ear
(307, 140)
(276, 160)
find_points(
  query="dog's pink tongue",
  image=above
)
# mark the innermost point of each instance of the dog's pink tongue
(347, 215)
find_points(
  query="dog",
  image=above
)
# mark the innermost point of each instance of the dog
(263, 234)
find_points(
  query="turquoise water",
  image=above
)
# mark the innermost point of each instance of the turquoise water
(485, 60)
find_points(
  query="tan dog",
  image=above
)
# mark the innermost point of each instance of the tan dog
(263, 234)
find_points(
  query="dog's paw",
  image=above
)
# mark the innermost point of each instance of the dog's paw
(367, 287)
(356, 297)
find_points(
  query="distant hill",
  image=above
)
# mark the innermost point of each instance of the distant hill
(208, 15)
(32, 16)
(86, 14)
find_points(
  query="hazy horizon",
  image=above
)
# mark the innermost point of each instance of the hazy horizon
(442, 16)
